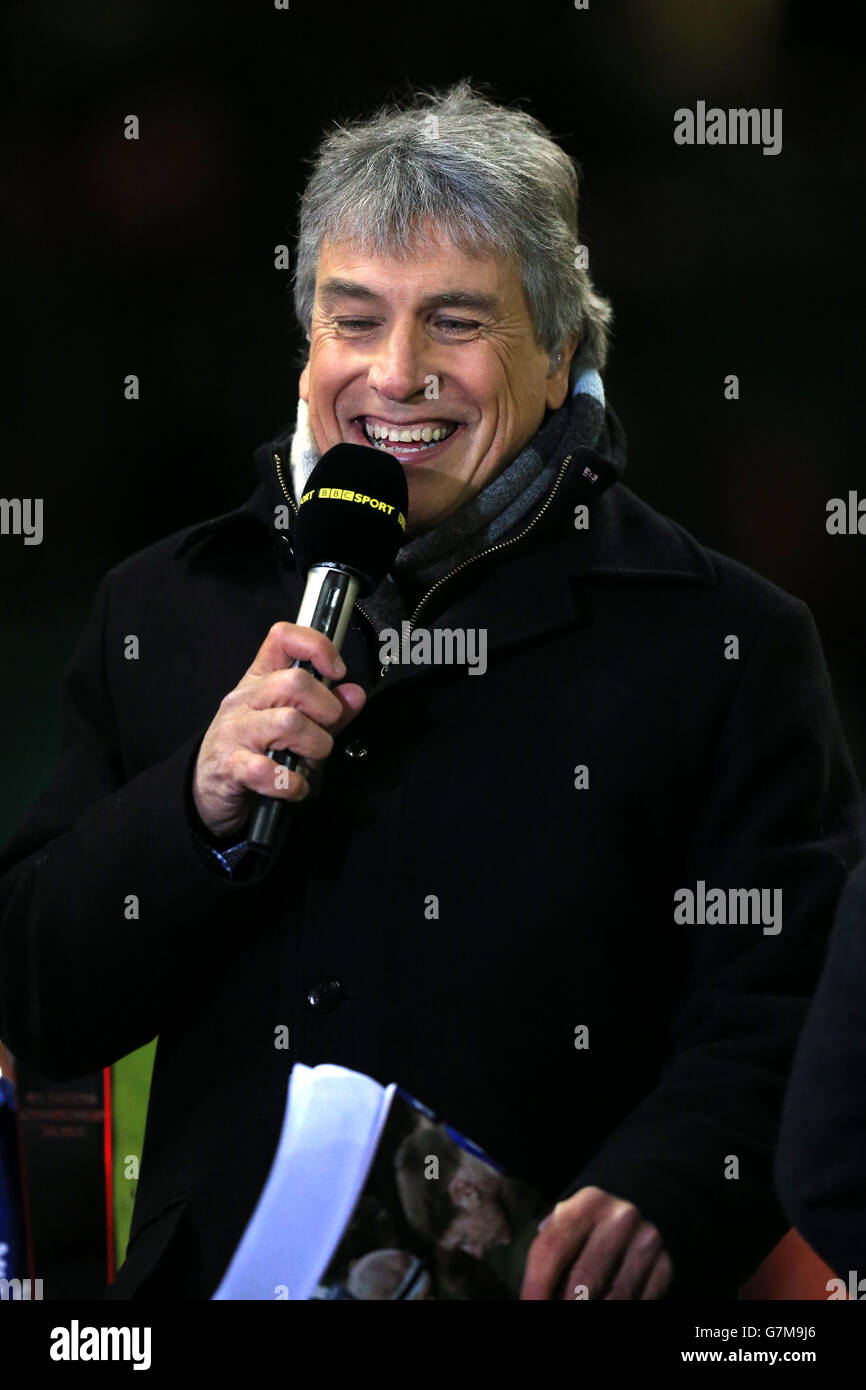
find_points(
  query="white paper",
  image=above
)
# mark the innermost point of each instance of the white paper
(331, 1128)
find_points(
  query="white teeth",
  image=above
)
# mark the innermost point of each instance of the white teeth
(429, 434)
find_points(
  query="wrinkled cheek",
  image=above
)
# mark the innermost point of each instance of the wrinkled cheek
(325, 426)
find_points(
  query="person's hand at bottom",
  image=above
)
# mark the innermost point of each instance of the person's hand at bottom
(594, 1245)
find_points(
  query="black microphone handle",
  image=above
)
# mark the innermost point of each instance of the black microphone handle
(326, 606)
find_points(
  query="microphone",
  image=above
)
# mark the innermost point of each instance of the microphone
(351, 522)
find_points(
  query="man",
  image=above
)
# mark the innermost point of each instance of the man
(578, 905)
(464, 1210)
(479, 1220)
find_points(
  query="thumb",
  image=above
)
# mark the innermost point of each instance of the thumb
(353, 698)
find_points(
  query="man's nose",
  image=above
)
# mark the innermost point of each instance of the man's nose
(397, 364)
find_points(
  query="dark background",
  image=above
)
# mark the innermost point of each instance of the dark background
(156, 257)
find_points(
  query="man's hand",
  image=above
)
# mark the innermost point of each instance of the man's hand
(273, 706)
(594, 1245)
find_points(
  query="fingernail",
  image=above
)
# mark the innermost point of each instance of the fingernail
(340, 667)
(542, 1224)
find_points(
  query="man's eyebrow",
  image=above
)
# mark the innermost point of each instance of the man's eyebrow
(337, 288)
(462, 299)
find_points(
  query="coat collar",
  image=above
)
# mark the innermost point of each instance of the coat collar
(625, 539)
(516, 599)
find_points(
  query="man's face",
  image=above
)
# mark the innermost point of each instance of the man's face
(479, 1220)
(444, 342)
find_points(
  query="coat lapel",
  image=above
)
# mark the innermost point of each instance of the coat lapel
(515, 594)
(528, 592)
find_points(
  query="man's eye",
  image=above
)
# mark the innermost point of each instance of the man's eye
(448, 325)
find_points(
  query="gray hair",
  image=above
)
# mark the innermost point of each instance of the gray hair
(489, 178)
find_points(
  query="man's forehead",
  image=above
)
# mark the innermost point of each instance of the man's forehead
(335, 288)
(438, 274)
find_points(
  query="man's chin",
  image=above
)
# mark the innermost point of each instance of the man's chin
(432, 501)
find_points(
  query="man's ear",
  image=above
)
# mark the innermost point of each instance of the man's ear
(304, 383)
(462, 1192)
(557, 377)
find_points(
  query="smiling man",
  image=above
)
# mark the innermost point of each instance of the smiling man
(435, 359)
(478, 895)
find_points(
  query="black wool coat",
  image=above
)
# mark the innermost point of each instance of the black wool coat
(554, 902)
(821, 1156)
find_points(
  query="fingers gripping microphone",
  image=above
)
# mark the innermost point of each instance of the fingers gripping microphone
(351, 522)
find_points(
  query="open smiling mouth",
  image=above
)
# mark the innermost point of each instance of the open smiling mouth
(404, 439)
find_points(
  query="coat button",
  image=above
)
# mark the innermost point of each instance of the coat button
(356, 749)
(324, 995)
